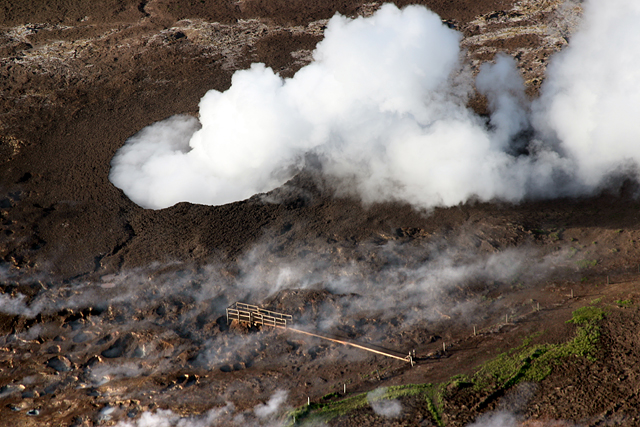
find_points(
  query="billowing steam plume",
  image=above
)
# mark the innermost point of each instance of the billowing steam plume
(383, 108)
(590, 103)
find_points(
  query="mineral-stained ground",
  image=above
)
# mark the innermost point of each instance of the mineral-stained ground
(111, 313)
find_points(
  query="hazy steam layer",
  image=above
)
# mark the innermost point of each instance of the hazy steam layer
(383, 106)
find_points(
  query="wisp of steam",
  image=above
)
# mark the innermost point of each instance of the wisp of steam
(383, 107)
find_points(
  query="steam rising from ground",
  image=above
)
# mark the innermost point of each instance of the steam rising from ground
(421, 285)
(496, 419)
(268, 414)
(141, 322)
(390, 408)
(383, 108)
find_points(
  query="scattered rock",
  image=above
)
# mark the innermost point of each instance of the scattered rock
(106, 413)
(140, 351)
(93, 361)
(54, 349)
(104, 339)
(52, 388)
(120, 347)
(59, 364)
(10, 389)
(30, 394)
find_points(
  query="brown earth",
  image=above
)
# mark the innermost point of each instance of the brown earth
(117, 317)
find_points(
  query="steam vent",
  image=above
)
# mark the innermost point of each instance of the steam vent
(312, 213)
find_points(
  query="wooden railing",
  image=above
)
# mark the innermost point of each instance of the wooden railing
(255, 315)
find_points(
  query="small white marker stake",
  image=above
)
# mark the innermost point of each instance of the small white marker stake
(345, 388)
(308, 401)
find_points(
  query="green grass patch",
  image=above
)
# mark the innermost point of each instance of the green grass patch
(553, 234)
(528, 362)
(330, 396)
(624, 303)
(587, 315)
(596, 301)
(535, 362)
(328, 410)
(587, 263)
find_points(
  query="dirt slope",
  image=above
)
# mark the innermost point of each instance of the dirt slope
(78, 78)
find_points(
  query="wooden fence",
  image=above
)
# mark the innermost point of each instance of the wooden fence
(255, 315)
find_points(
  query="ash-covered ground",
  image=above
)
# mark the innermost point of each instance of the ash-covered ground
(114, 314)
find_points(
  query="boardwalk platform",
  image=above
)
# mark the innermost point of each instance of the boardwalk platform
(255, 315)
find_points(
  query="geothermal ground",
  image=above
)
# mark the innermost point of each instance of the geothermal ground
(111, 313)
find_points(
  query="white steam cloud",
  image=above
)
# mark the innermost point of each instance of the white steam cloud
(389, 408)
(590, 102)
(383, 107)
(272, 406)
(167, 418)
(496, 419)
(268, 415)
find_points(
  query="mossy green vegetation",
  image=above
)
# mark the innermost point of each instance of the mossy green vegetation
(624, 303)
(528, 362)
(554, 234)
(328, 410)
(535, 362)
(587, 315)
(587, 263)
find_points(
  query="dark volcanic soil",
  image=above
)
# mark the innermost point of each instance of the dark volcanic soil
(122, 308)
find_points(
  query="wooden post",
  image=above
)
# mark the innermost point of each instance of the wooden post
(444, 347)
(474, 330)
(506, 318)
(345, 388)
(308, 401)
(571, 293)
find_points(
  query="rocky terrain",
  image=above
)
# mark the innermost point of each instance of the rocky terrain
(112, 314)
